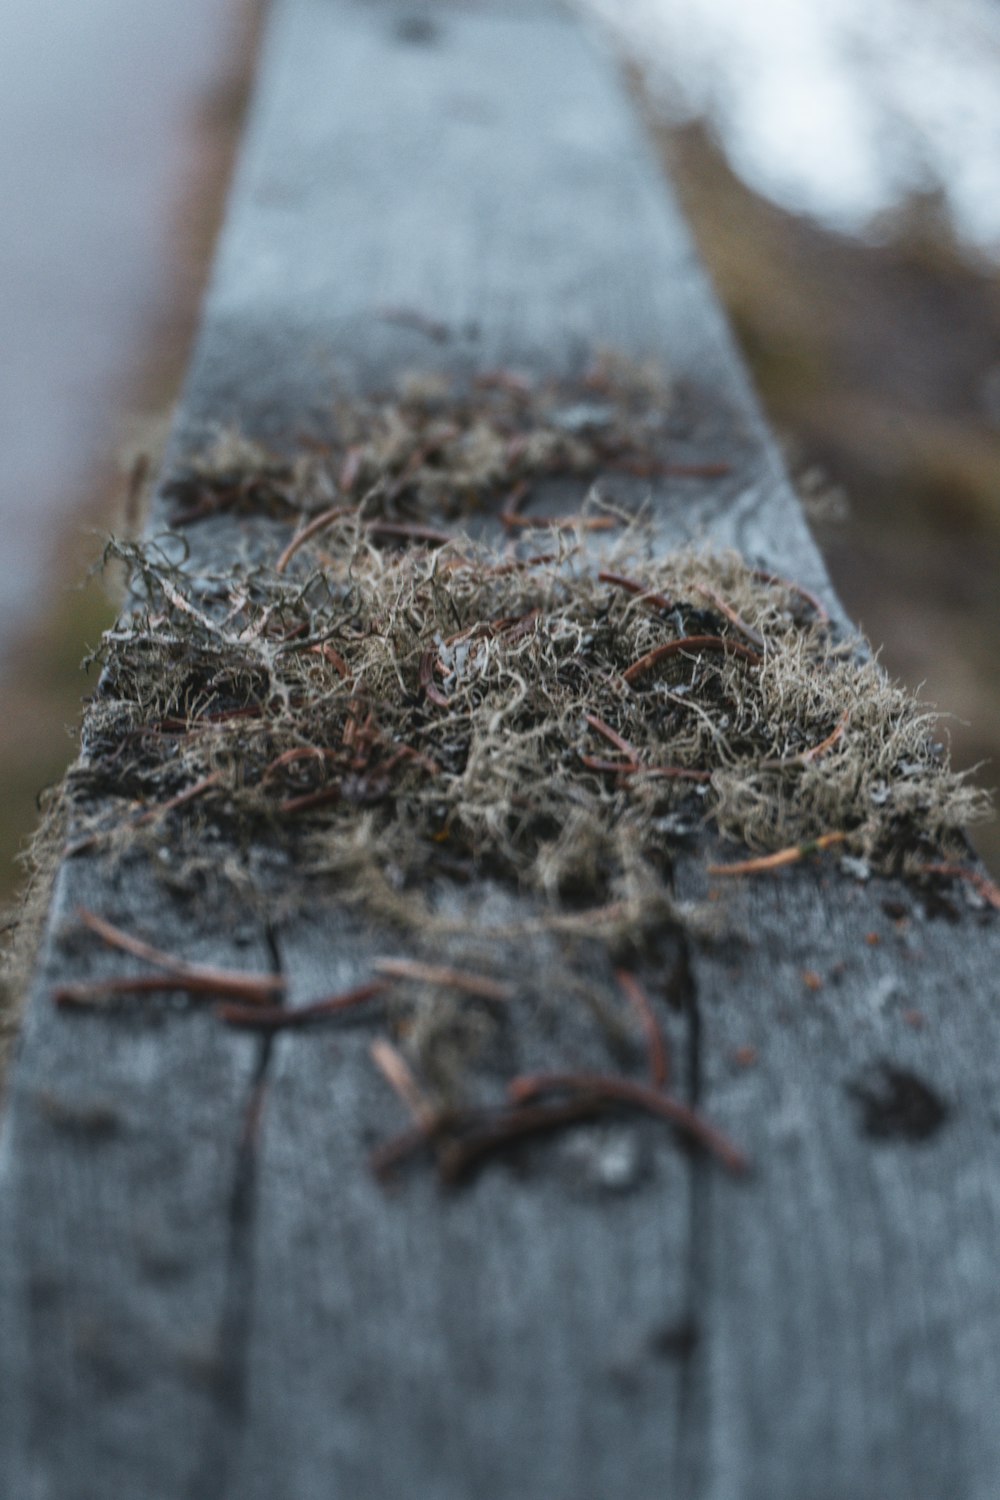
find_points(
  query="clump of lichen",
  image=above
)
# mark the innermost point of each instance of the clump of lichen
(395, 716)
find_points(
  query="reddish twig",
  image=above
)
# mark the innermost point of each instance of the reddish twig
(607, 1087)
(793, 588)
(179, 801)
(789, 856)
(461, 1156)
(445, 978)
(613, 737)
(829, 742)
(322, 798)
(292, 757)
(399, 1075)
(195, 978)
(610, 767)
(692, 643)
(980, 883)
(283, 1018)
(659, 1057)
(426, 678)
(514, 629)
(671, 773)
(93, 994)
(319, 523)
(330, 654)
(731, 615)
(806, 756)
(648, 596)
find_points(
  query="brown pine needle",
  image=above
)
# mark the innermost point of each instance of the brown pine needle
(330, 654)
(610, 767)
(180, 800)
(195, 978)
(292, 757)
(283, 1018)
(790, 856)
(445, 978)
(793, 588)
(95, 994)
(430, 688)
(613, 737)
(319, 523)
(605, 1086)
(692, 643)
(980, 883)
(730, 614)
(638, 998)
(648, 596)
(399, 1075)
(810, 755)
(671, 773)
(323, 798)
(459, 1157)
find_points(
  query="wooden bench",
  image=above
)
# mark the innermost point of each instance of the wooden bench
(203, 1290)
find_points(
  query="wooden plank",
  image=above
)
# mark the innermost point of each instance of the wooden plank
(847, 1309)
(828, 1328)
(493, 179)
(522, 1335)
(123, 1252)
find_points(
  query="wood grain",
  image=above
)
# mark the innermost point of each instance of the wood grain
(203, 1290)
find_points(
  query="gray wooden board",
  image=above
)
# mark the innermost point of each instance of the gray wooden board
(494, 180)
(187, 1313)
(122, 1216)
(518, 1336)
(848, 1309)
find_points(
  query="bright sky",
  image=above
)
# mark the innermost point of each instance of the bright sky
(838, 108)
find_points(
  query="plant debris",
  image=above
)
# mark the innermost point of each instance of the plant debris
(414, 718)
(389, 715)
(443, 450)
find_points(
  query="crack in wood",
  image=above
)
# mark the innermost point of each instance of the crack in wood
(224, 1430)
(692, 1415)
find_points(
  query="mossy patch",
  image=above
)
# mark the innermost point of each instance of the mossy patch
(392, 713)
(441, 449)
(488, 754)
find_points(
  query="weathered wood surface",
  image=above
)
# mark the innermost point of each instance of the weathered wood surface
(192, 1307)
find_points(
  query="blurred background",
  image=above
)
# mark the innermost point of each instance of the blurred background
(118, 122)
(840, 166)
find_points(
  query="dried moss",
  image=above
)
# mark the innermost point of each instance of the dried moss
(443, 449)
(457, 740)
(393, 715)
